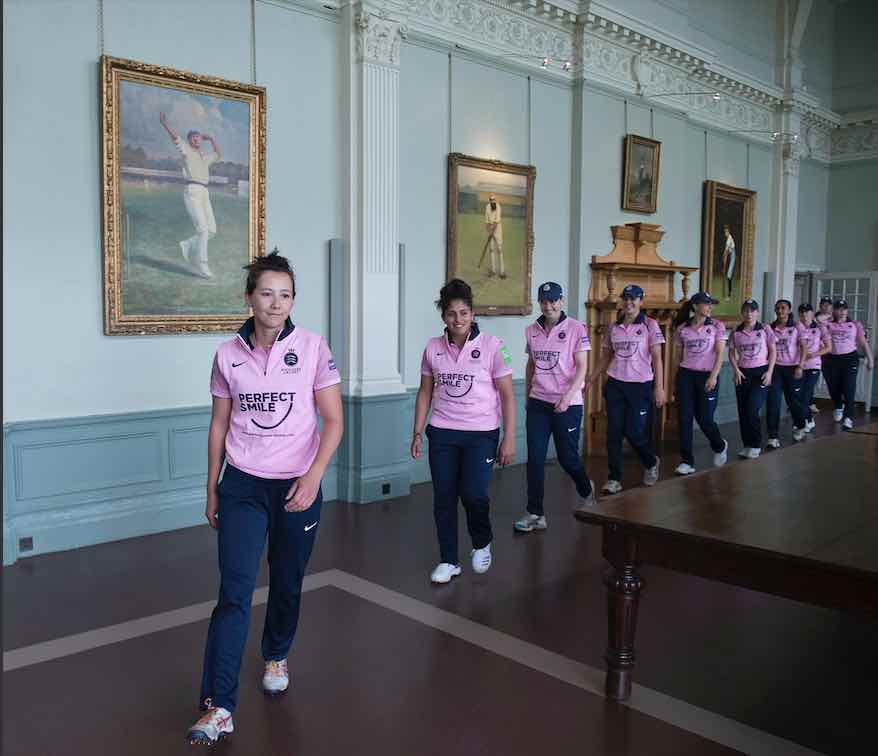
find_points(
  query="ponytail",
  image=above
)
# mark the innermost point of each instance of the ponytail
(684, 314)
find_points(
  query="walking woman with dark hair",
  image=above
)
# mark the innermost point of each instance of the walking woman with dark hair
(787, 376)
(698, 357)
(815, 339)
(466, 380)
(841, 365)
(269, 384)
(752, 355)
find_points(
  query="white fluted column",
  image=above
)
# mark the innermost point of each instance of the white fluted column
(372, 211)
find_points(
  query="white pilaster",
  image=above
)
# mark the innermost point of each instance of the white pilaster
(372, 212)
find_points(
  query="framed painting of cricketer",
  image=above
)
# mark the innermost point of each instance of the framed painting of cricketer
(490, 232)
(728, 232)
(183, 197)
(640, 173)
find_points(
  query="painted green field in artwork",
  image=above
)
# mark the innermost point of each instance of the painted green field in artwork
(156, 278)
(727, 308)
(471, 237)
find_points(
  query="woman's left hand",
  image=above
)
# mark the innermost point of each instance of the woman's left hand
(797, 373)
(710, 383)
(302, 493)
(563, 403)
(659, 396)
(507, 452)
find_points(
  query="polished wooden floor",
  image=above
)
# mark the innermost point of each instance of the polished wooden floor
(367, 680)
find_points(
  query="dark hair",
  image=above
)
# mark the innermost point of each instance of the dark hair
(454, 289)
(684, 314)
(192, 133)
(805, 308)
(273, 263)
(790, 319)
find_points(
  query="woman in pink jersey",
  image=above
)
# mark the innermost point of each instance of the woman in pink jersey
(841, 365)
(269, 384)
(466, 380)
(786, 379)
(825, 313)
(557, 348)
(631, 355)
(752, 355)
(699, 341)
(815, 339)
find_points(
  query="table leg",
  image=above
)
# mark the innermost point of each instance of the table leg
(623, 584)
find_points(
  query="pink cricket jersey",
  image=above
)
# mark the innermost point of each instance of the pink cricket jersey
(822, 318)
(813, 338)
(464, 394)
(698, 344)
(844, 335)
(553, 353)
(751, 347)
(273, 426)
(786, 341)
(631, 344)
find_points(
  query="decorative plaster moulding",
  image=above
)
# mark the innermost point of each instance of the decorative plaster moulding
(614, 50)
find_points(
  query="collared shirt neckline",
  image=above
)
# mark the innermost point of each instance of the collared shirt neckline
(246, 331)
(691, 322)
(473, 334)
(541, 321)
(758, 326)
(639, 320)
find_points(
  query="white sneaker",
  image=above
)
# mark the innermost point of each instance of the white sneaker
(530, 522)
(589, 501)
(184, 248)
(481, 559)
(720, 458)
(276, 678)
(773, 443)
(444, 572)
(202, 270)
(809, 426)
(848, 424)
(215, 725)
(651, 476)
(744, 453)
(684, 469)
(837, 415)
(798, 434)
(611, 487)
(754, 453)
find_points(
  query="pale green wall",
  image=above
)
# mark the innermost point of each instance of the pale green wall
(813, 215)
(853, 217)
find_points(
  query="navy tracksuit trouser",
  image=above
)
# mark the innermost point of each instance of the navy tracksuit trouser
(751, 395)
(542, 422)
(249, 509)
(694, 402)
(628, 407)
(840, 372)
(461, 463)
(809, 382)
(784, 381)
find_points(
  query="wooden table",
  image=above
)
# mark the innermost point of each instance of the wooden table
(801, 522)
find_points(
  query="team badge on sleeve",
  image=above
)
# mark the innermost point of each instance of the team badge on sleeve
(504, 353)
(332, 365)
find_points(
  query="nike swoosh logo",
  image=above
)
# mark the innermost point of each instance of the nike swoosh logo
(570, 430)
(489, 461)
(312, 525)
(643, 413)
(238, 364)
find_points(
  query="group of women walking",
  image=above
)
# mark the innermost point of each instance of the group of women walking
(274, 380)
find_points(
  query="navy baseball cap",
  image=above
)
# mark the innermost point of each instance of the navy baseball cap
(703, 297)
(750, 304)
(806, 307)
(633, 291)
(840, 303)
(550, 291)
(825, 300)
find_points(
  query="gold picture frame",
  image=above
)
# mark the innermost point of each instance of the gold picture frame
(640, 173)
(496, 263)
(727, 257)
(176, 233)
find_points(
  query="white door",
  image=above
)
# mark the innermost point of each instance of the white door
(860, 290)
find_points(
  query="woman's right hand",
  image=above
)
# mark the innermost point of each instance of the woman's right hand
(739, 377)
(416, 446)
(210, 512)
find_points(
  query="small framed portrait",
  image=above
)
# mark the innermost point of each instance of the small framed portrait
(183, 197)
(728, 231)
(490, 232)
(640, 173)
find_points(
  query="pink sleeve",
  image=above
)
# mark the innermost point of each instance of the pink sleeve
(527, 340)
(606, 342)
(219, 386)
(824, 335)
(425, 365)
(582, 342)
(770, 338)
(327, 371)
(678, 337)
(861, 333)
(721, 333)
(655, 334)
(499, 367)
